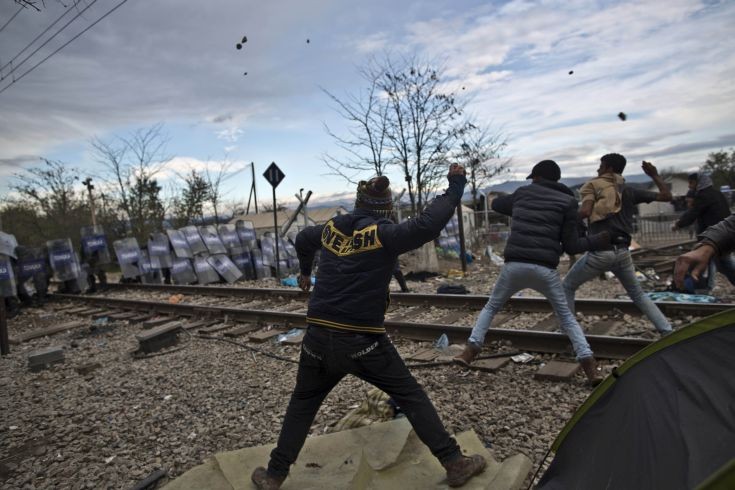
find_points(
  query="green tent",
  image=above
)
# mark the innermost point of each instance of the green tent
(665, 419)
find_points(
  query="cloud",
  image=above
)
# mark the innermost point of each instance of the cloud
(373, 43)
(231, 134)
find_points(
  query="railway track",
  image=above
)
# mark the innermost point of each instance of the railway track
(605, 347)
(466, 301)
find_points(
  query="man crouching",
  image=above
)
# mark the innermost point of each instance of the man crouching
(345, 332)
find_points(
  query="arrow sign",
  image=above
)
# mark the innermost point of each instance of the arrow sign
(273, 175)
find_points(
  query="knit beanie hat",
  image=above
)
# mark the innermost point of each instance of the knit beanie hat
(375, 195)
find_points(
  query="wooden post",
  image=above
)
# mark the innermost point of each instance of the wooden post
(4, 341)
(462, 256)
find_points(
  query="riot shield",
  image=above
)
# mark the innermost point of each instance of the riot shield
(63, 260)
(128, 256)
(246, 232)
(8, 244)
(159, 251)
(179, 244)
(206, 274)
(148, 275)
(245, 264)
(94, 246)
(32, 267)
(194, 240)
(261, 270)
(268, 249)
(212, 240)
(230, 239)
(182, 272)
(7, 277)
(225, 267)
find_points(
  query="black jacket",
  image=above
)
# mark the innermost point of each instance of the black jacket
(710, 207)
(358, 255)
(544, 224)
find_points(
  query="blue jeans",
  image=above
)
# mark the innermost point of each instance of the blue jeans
(620, 263)
(518, 275)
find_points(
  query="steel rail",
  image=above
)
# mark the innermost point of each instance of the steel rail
(472, 301)
(605, 347)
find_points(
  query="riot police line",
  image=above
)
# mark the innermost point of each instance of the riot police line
(190, 255)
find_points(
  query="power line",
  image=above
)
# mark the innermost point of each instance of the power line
(36, 39)
(63, 45)
(11, 19)
(14, 68)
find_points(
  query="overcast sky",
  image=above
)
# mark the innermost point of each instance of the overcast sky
(669, 65)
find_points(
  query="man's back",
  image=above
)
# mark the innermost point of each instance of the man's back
(544, 222)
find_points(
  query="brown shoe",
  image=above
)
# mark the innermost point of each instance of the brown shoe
(467, 356)
(463, 468)
(589, 365)
(265, 481)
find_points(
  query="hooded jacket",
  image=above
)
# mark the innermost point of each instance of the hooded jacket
(710, 206)
(544, 224)
(358, 253)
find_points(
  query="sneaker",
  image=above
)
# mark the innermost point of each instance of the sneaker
(467, 356)
(265, 481)
(463, 468)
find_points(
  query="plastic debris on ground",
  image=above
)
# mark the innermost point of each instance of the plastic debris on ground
(294, 332)
(522, 358)
(681, 297)
(494, 258)
(442, 342)
(175, 299)
(290, 281)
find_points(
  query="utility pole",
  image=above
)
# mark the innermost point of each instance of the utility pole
(88, 183)
(253, 191)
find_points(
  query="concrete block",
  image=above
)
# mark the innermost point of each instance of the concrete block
(43, 358)
(241, 330)
(557, 371)
(424, 355)
(159, 337)
(490, 365)
(264, 335)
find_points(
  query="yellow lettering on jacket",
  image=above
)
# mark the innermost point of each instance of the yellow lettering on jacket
(362, 240)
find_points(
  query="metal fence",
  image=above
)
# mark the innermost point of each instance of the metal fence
(654, 229)
(492, 229)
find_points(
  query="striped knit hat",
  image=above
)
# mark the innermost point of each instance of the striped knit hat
(375, 195)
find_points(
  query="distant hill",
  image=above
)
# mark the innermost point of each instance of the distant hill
(347, 199)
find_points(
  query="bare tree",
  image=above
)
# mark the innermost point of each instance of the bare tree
(405, 118)
(50, 187)
(189, 206)
(216, 178)
(131, 165)
(365, 142)
(481, 153)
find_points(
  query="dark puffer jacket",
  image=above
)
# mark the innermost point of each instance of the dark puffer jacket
(358, 255)
(544, 224)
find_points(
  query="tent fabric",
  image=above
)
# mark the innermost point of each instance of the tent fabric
(665, 419)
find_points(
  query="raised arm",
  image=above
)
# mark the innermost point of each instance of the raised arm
(308, 242)
(664, 194)
(411, 234)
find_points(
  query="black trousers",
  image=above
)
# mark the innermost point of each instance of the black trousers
(326, 357)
